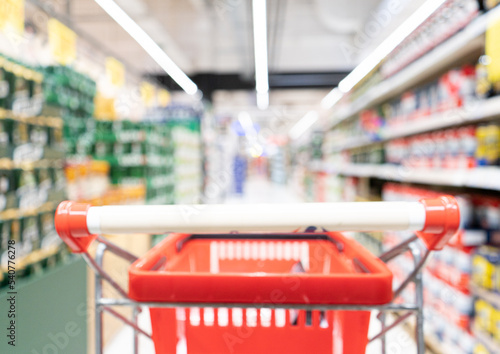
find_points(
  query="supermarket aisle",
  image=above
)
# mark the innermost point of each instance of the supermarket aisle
(261, 190)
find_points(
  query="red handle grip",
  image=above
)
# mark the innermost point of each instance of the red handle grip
(71, 225)
(442, 221)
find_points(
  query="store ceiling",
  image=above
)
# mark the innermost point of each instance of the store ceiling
(215, 36)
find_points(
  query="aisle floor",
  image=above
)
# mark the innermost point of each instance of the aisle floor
(259, 190)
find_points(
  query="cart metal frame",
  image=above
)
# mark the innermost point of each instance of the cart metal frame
(107, 304)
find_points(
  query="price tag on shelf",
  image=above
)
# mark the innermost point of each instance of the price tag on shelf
(12, 16)
(147, 93)
(115, 71)
(163, 97)
(62, 41)
(104, 107)
(492, 49)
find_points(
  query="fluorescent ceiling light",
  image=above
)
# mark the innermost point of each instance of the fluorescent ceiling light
(148, 44)
(262, 100)
(259, 11)
(384, 49)
(331, 99)
(303, 125)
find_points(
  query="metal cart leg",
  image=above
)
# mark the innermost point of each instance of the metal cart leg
(419, 258)
(419, 299)
(382, 318)
(98, 320)
(135, 317)
(419, 328)
(100, 275)
(97, 298)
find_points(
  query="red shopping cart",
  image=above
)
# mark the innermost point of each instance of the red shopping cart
(213, 290)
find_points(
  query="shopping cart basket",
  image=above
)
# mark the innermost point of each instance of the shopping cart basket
(211, 289)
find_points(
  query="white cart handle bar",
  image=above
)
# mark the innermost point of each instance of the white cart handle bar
(435, 220)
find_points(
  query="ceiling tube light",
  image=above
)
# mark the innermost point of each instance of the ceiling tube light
(259, 12)
(332, 98)
(149, 45)
(389, 44)
(303, 125)
(263, 100)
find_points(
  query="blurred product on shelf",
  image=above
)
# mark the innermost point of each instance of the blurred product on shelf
(87, 179)
(451, 148)
(219, 145)
(28, 139)
(240, 173)
(70, 95)
(484, 87)
(278, 165)
(455, 148)
(187, 159)
(453, 90)
(20, 87)
(137, 153)
(37, 243)
(486, 281)
(66, 88)
(373, 154)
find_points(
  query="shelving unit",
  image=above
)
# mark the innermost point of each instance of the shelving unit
(480, 177)
(486, 341)
(491, 297)
(409, 104)
(466, 42)
(476, 112)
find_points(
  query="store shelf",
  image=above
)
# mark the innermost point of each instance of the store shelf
(402, 174)
(485, 339)
(481, 177)
(20, 213)
(9, 164)
(34, 257)
(491, 297)
(475, 112)
(463, 43)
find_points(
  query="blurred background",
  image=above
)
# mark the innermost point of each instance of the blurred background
(234, 101)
